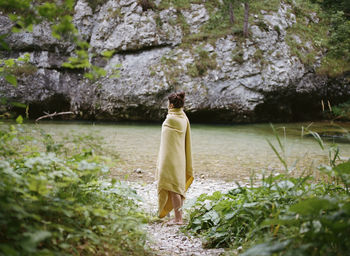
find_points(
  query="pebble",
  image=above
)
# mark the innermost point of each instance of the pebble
(169, 240)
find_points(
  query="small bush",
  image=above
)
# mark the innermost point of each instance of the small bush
(59, 202)
(342, 110)
(283, 215)
(192, 70)
(237, 56)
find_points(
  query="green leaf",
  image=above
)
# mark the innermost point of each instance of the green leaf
(318, 139)
(343, 168)
(18, 104)
(277, 137)
(108, 54)
(267, 249)
(278, 155)
(19, 119)
(9, 62)
(312, 206)
(8, 250)
(11, 79)
(89, 76)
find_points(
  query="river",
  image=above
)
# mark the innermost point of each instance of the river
(225, 152)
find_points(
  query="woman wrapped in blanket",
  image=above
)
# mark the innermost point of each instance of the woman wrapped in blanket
(174, 167)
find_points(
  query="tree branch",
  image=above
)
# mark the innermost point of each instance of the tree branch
(53, 114)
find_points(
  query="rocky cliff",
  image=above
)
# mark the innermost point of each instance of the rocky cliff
(227, 78)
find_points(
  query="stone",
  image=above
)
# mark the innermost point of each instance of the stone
(248, 77)
(195, 17)
(138, 170)
(83, 18)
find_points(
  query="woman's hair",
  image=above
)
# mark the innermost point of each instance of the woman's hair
(177, 99)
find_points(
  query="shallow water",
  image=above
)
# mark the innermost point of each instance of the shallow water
(219, 152)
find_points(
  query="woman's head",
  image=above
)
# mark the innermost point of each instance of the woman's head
(176, 99)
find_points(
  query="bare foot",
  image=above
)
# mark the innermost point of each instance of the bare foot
(173, 222)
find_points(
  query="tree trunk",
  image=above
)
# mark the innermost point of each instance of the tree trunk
(232, 15)
(246, 19)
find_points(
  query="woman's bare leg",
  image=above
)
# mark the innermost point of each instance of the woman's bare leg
(177, 201)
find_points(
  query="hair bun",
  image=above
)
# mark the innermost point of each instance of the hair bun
(181, 95)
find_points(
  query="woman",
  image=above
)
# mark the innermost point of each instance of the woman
(174, 168)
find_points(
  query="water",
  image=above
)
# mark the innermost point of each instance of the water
(219, 152)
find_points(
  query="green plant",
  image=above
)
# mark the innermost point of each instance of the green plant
(10, 68)
(26, 14)
(159, 22)
(192, 70)
(237, 55)
(342, 110)
(55, 201)
(202, 63)
(281, 215)
(258, 55)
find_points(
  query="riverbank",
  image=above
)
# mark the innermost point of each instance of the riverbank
(169, 240)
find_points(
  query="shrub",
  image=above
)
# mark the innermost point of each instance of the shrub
(281, 215)
(237, 55)
(57, 204)
(342, 110)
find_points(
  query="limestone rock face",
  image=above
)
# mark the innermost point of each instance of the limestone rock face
(195, 17)
(124, 26)
(226, 80)
(84, 18)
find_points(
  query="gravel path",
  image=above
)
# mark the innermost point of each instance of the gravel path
(169, 240)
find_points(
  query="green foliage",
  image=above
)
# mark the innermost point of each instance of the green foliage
(25, 69)
(59, 201)
(342, 110)
(331, 34)
(65, 28)
(11, 68)
(219, 21)
(82, 61)
(27, 13)
(283, 215)
(337, 60)
(307, 38)
(202, 63)
(237, 55)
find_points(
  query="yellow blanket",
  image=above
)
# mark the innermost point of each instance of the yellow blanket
(174, 167)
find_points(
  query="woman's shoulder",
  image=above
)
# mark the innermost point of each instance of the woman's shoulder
(175, 121)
